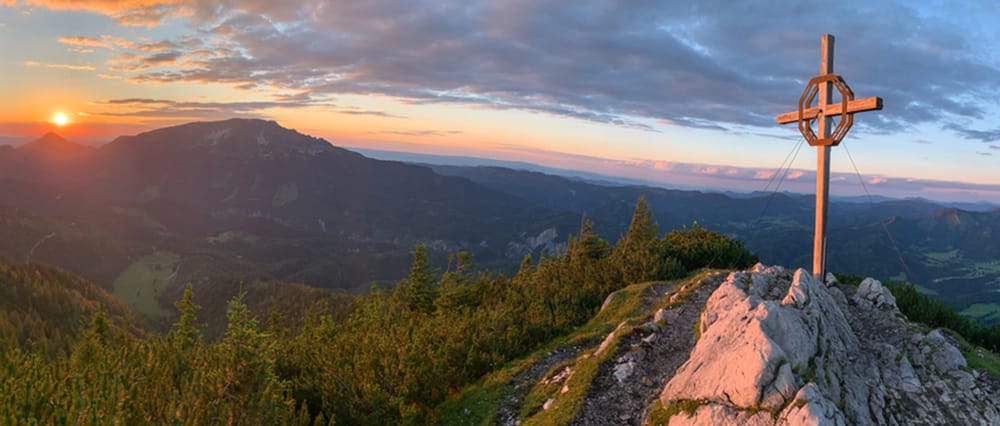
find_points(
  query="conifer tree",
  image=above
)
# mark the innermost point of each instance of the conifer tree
(642, 228)
(185, 334)
(455, 288)
(525, 265)
(464, 262)
(419, 290)
(93, 342)
(590, 244)
(636, 254)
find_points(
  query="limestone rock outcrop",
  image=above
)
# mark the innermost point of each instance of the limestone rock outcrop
(872, 293)
(778, 347)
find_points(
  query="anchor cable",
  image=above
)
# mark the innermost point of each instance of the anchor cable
(871, 204)
(781, 167)
(794, 153)
(783, 170)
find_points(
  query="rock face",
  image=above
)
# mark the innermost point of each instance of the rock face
(778, 347)
(872, 293)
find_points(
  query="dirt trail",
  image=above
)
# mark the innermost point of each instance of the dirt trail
(508, 412)
(611, 402)
(653, 362)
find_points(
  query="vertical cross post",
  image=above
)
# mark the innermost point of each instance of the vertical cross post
(823, 160)
(820, 88)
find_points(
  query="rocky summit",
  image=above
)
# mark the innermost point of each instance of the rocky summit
(778, 347)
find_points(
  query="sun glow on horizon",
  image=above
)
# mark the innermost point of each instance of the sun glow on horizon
(60, 119)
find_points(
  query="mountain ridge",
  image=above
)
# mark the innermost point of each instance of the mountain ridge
(238, 136)
(251, 199)
(915, 240)
(296, 208)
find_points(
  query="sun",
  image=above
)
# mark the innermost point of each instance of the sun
(60, 119)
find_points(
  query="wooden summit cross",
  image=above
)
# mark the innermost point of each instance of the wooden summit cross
(827, 134)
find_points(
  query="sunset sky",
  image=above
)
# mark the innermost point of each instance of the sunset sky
(675, 92)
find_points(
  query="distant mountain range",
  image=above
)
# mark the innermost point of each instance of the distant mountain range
(949, 252)
(609, 180)
(249, 200)
(462, 161)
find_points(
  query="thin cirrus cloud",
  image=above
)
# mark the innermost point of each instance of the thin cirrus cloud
(975, 134)
(70, 67)
(369, 112)
(419, 133)
(127, 62)
(104, 41)
(83, 41)
(164, 108)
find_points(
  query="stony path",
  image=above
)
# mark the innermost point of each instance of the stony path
(507, 413)
(626, 402)
(522, 383)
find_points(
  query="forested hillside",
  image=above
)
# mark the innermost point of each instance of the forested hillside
(415, 354)
(44, 310)
(397, 356)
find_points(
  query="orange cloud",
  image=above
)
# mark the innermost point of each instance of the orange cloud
(83, 41)
(59, 66)
(157, 46)
(661, 165)
(105, 41)
(148, 13)
(877, 180)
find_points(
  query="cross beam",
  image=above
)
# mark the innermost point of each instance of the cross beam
(873, 103)
(823, 113)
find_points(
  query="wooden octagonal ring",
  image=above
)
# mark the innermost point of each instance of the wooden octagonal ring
(805, 103)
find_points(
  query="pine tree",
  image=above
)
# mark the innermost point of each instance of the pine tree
(589, 244)
(464, 262)
(526, 265)
(93, 343)
(643, 227)
(637, 254)
(419, 291)
(185, 334)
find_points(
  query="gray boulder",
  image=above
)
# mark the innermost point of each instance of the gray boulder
(871, 293)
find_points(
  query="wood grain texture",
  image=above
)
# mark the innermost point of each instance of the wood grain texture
(873, 103)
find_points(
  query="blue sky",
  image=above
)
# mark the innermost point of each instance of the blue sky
(680, 93)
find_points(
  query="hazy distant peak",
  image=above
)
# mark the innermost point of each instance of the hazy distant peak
(51, 135)
(235, 136)
(49, 138)
(50, 141)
